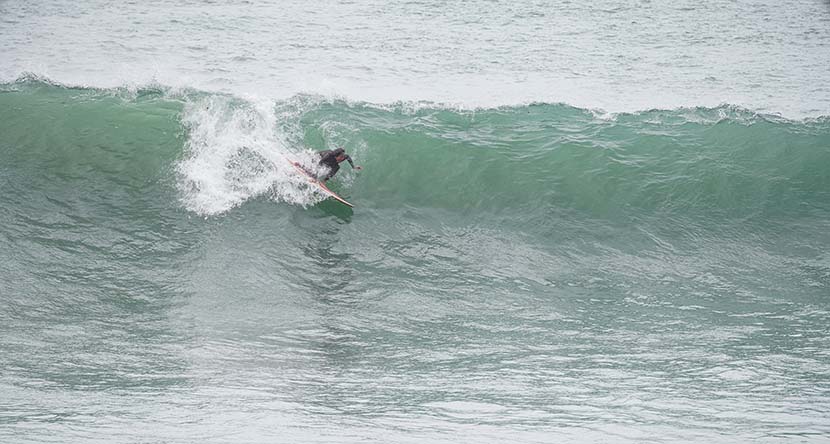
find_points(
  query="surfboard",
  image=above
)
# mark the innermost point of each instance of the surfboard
(319, 184)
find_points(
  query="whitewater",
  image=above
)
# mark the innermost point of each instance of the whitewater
(588, 223)
(604, 55)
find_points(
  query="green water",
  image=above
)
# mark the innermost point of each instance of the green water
(507, 274)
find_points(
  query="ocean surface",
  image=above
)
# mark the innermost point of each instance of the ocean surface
(592, 223)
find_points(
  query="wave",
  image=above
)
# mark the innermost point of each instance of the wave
(219, 151)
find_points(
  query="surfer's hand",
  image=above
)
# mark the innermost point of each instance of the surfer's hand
(358, 167)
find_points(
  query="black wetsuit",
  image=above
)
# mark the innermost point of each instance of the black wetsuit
(329, 159)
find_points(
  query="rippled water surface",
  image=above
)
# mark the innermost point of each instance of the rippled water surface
(603, 223)
(615, 56)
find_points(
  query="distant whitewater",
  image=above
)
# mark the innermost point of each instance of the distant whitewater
(602, 55)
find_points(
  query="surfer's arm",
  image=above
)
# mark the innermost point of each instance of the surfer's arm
(358, 167)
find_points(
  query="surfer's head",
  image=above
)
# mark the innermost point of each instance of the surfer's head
(339, 154)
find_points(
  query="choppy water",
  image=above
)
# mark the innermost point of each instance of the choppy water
(512, 271)
(618, 56)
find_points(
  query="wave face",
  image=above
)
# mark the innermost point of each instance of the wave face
(718, 164)
(516, 265)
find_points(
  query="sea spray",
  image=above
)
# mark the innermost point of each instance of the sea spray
(233, 154)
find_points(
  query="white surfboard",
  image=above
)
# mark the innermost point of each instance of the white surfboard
(322, 186)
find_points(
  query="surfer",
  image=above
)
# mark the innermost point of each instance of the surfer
(331, 159)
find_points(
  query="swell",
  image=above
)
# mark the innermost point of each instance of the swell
(210, 153)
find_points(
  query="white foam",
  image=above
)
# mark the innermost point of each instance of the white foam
(234, 153)
(511, 54)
